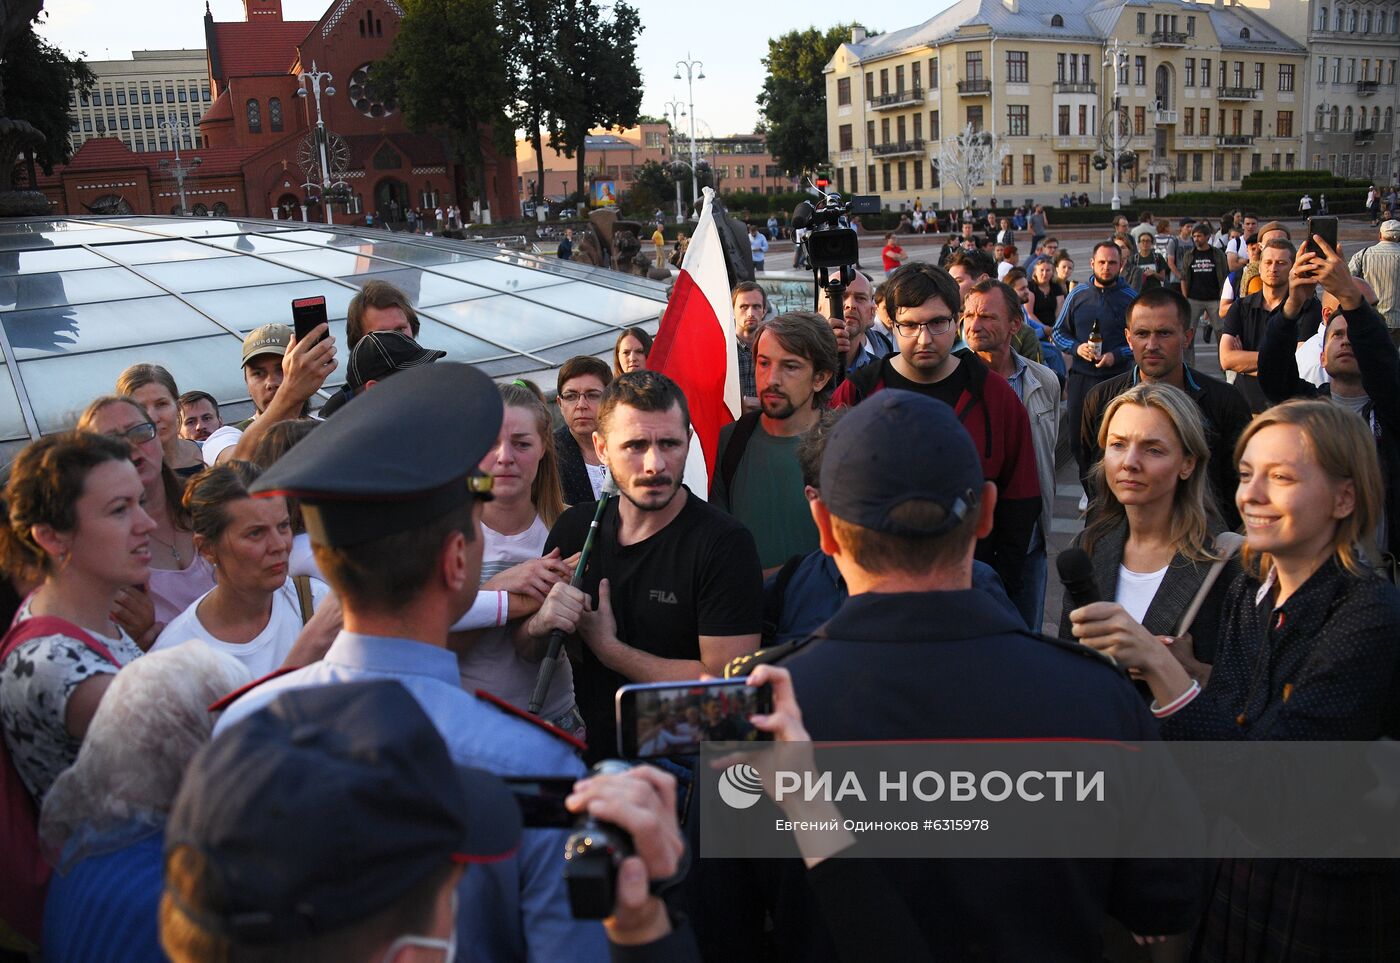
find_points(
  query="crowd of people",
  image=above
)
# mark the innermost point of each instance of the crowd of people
(266, 683)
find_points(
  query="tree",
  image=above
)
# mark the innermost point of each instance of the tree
(447, 70)
(966, 160)
(37, 79)
(596, 81)
(530, 52)
(793, 102)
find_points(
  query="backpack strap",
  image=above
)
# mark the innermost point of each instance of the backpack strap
(734, 451)
(304, 597)
(41, 625)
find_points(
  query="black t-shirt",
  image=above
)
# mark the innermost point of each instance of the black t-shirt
(1246, 320)
(1202, 283)
(948, 391)
(697, 576)
(1044, 305)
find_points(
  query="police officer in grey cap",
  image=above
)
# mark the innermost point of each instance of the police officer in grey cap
(392, 505)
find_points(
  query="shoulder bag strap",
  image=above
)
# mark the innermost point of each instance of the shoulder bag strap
(304, 597)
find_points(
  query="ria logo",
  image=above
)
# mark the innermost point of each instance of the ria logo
(662, 596)
(740, 786)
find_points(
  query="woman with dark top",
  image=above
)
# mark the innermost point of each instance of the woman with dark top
(1153, 537)
(1306, 651)
(178, 575)
(154, 389)
(631, 351)
(1047, 296)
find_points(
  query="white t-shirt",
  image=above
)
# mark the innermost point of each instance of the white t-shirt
(225, 436)
(264, 653)
(1238, 247)
(1136, 590)
(1003, 269)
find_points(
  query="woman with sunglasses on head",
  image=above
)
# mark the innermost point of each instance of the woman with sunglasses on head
(178, 575)
(154, 389)
(75, 519)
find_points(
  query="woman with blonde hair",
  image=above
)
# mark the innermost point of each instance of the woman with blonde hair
(526, 500)
(1307, 651)
(1155, 544)
(178, 575)
(154, 389)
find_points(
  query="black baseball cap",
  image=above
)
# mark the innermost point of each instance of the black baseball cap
(378, 467)
(382, 353)
(895, 447)
(327, 806)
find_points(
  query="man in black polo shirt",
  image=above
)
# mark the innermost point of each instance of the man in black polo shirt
(673, 587)
(1243, 329)
(1160, 333)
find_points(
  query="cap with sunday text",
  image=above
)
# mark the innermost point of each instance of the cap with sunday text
(268, 339)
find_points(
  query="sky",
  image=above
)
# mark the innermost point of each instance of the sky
(730, 40)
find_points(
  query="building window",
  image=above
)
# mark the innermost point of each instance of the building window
(884, 82)
(125, 124)
(1236, 122)
(869, 86)
(1351, 21)
(1258, 123)
(1389, 118)
(1018, 120)
(855, 186)
(1181, 167)
(1322, 18)
(1062, 168)
(1322, 70)
(1140, 71)
(870, 177)
(1083, 118)
(933, 130)
(918, 176)
(918, 127)
(160, 99)
(1217, 167)
(1028, 169)
(933, 73)
(903, 179)
(1237, 74)
(1141, 23)
(1190, 71)
(1351, 70)
(974, 117)
(1254, 162)
(899, 131)
(844, 135)
(1064, 120)
(1190, 26)
(1205, 71)
(899, 78)
(1017, 67)
(204, 94)
(1060, 67)
(145, 95)
(1205, 121)
(1188, 121)
(1258, 76)
(1285, 78)
(170, 95)
(274, 114)
(254, 117)
(1006, 172)
(1083, 168)
(973, 62)
(885, 175)
(136, 121)
(870, 133)
(916, 74)
(121, 97)
(884, 130)
(1139, 121)
(1196, 167)
(87, 125)
(843, 92)
(1235, 166)
(1056, 21)
(1283, 126)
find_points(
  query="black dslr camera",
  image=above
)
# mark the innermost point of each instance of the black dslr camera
(591, 856)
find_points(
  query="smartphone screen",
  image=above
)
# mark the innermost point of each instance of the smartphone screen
(307, 313)
(1323, 227)
(673, 718)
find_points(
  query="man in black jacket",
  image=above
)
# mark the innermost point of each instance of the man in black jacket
(1160, 333)
(1357, 354)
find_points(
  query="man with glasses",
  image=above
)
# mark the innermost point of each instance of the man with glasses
(581, 383)
(924, 302)
(394, 507)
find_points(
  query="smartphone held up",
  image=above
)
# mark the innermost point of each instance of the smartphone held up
(674, 718)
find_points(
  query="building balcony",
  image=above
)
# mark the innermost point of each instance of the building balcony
(1364, 88)
(1166, 117)
(1076, 87)
(900, 98)
(979, 87)
(1168, 38)
(1076, 143)
(1234, 140)
(1363, 137)
(895, 150)
(1237, 93)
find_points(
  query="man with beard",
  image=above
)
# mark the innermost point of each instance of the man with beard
(759, 481)
(1242, 331)
(673, 587)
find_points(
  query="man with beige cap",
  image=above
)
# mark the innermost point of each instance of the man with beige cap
(1379, 265)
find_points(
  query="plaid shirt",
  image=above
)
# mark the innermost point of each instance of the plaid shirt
(747, 387)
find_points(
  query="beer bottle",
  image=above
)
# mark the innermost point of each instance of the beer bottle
(1096, 340)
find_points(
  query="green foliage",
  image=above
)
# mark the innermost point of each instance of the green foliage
(447, 69)
(37, 78)
(793, 102)
(595, 79)
(529, 51)
(1304, 179)
(652, 187)
(1210, 205)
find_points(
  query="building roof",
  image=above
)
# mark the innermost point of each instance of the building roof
(419, 146)
(110, 154)
(220, 109)
(259, 48)
(1230, 21)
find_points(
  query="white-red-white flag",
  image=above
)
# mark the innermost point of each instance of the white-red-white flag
(695, 346)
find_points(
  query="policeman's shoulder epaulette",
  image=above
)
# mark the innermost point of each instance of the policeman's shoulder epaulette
(744, 664)
(497, 702)
(1079, 649)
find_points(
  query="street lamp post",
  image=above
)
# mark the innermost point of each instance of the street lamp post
(675, 110)
(178, 169)
(312, 78)
(1116, 58)
(694, 70)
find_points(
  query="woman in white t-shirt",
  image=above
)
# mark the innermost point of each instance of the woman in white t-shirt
(255, 610)
(526, 500)
(1153, 528)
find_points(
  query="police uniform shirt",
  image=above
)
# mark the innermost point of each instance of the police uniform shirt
(697, 576)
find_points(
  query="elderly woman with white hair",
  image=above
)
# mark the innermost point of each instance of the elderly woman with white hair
(103, 822)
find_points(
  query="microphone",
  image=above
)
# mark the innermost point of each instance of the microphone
(1077, 574)
(556, 638)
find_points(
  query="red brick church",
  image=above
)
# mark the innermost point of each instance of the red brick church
(260, 134)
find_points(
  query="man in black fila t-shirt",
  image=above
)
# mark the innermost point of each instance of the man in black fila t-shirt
(683, 591)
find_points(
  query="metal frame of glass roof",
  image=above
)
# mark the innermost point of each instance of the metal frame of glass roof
(83, 297)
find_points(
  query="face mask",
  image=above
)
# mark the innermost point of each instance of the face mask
(448, 946)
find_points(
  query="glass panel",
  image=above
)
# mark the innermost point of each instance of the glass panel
(11, 420)
(313, 237)
(59, 388)
(70, 236)
(73, 287)
(600, 345)
(514, 323)
(257, 243)
(414, 253)
(601, 304)
(332, 264)
(500, 276)
(97, 327)
(184, 276)
(459, 346)
(247, 308)
(60, 259)
(158, 252)
(424, 289)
